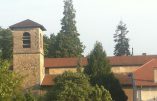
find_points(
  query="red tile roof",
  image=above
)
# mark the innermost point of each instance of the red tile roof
(48, 80)
(27, 24)
(114, 61)
(130, 60)
(64, 62)
(144, 75)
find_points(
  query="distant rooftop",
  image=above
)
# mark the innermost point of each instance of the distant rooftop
(27, 24)
(114, 61)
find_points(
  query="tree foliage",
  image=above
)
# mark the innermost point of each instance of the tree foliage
(76, 87)
(99, 71)
(67, 41)
(6, 42)
(46, 45)
(9, 82)
(97, 62)
(122, 43)
(10, 85)
(49, 45)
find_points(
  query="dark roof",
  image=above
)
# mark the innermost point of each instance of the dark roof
(114, 61)
(27, 24)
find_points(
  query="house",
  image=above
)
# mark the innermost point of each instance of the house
(29, 61)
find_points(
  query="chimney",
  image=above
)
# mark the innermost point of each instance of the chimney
(132, 52)
(144, 54)
(155, 75)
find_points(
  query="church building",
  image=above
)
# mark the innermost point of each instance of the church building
(29, 61)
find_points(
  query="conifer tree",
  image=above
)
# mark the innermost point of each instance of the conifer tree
(122, 43)
(6, 44)
(67, 41)
(99, 71)
(97, 62)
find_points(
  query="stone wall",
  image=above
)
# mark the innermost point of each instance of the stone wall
(27, 65)
(29, 62)
(36, 41)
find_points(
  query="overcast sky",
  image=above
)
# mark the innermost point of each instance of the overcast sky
(96, 20)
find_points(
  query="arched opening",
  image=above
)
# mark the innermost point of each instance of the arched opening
(26, 40)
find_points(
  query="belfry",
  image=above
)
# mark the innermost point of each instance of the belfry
(28, 53)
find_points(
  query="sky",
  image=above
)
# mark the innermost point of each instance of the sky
(96, 20)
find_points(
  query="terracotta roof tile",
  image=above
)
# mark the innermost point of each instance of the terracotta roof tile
(27, 24)
(144, 76)
(130, 60)
(114, 61)
(48, 80)
(64, 62)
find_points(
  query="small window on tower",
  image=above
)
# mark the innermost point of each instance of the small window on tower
(26, 40)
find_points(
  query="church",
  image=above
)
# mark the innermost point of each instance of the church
(29, 61)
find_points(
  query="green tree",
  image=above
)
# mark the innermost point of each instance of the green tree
(10, 85)
(97, 62)
(76, 87)
(122, 43)
(6, 42)
(67, 41)
(46, 45)
(51, 47)
(99, 71)
(9, 82)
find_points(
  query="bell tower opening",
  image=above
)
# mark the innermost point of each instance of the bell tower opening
(26, 40)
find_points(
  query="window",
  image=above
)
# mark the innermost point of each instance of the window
(26, 40)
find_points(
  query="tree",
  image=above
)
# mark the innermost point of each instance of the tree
(51, 47)
(6, 46)
(10, 85)
(97, 62)
(122, 43)
(9, 82)
(46, 45)
(76, 87)
(99, 71)
(67, 41)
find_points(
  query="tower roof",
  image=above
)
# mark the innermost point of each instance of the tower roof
(27, 24)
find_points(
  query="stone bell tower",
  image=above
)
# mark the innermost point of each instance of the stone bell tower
(28, 54)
